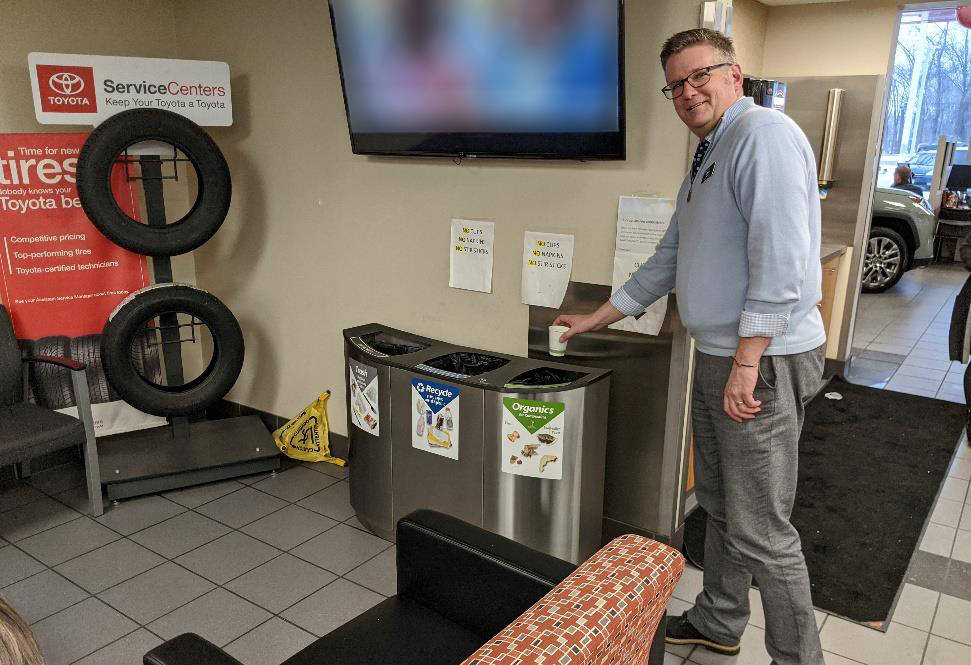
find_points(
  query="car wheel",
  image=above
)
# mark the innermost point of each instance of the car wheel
(111, 139)
(125, 332)
(887, 259)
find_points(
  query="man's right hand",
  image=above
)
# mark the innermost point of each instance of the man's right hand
(577, 324)
(581, 323)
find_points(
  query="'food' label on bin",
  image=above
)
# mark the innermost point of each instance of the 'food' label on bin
(436, 418)
(363, 380)
(532, 438)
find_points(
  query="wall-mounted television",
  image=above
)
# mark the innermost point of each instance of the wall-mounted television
(483, 78)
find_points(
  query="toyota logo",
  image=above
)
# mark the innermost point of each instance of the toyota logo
(66, 83)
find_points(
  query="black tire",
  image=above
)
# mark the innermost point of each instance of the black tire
(51, 384)
(126, 327)
(886, 260)
(110, 139)
(87, 349)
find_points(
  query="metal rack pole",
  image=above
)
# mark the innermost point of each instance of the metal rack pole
(151, 177)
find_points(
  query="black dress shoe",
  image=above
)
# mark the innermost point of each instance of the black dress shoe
(680, 631)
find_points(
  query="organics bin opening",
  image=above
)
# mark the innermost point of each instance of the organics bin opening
(545, 376)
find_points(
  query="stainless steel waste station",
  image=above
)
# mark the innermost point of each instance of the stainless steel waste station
(512, 444)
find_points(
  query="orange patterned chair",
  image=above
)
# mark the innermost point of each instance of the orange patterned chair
(606, 612)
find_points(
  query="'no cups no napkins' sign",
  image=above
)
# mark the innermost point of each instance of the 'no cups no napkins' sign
(85, 89)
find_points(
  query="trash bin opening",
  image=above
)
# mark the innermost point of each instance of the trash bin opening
(466, 363)
(545, 376)
(392, 345)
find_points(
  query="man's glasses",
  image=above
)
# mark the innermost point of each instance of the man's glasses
(695, 80)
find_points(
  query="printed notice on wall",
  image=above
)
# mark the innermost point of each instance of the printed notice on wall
(71, 89)
(470, 255)
(363, 380)
(436, 418)
(641, 223)
(532, 438)
(547, 265)
(60, 275)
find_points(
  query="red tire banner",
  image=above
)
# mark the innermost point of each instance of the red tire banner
(60, 275)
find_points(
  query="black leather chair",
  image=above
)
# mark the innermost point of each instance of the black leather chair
(28, 430)
(458, 587)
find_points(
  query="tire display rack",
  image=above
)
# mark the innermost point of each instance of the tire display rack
(183, 453)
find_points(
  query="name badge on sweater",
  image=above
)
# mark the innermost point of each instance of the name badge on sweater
(708, 173)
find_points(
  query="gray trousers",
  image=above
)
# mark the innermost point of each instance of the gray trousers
(745, 478)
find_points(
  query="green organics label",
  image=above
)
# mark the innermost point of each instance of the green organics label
(532, 415)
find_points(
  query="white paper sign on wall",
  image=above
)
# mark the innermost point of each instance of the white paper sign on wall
(470, 252)
(547, 266)
(717, 15)
(641, 223)
(72, 89)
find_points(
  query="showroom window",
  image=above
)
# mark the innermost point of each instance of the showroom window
(929, 92)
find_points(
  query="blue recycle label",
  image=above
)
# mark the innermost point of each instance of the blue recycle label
(436, 395)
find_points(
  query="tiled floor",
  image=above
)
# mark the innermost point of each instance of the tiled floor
(931, 624)
(900, 340)
(260, 565)
(262, 576)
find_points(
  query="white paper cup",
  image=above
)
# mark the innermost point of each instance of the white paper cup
(557, 348)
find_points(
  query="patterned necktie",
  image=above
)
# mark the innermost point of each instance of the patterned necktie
(699, 157)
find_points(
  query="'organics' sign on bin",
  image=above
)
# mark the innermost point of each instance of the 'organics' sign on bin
(532, 438)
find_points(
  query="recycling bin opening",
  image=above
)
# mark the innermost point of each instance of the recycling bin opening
(464, 363)
(392, 345)
(546, 377)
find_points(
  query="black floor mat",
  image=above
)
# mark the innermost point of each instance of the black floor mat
(870, 467)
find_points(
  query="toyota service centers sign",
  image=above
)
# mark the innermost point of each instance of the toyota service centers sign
(85, 89)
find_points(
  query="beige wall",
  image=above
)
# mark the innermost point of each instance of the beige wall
(319, 239)
(143, 28)
(830, 39)
(748, 33)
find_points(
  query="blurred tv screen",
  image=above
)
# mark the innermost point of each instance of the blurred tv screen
(502, 77)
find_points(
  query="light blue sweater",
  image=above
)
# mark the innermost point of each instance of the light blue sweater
(743, 252)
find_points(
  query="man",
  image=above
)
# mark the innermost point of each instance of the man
(901, 180)
(743, 251)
